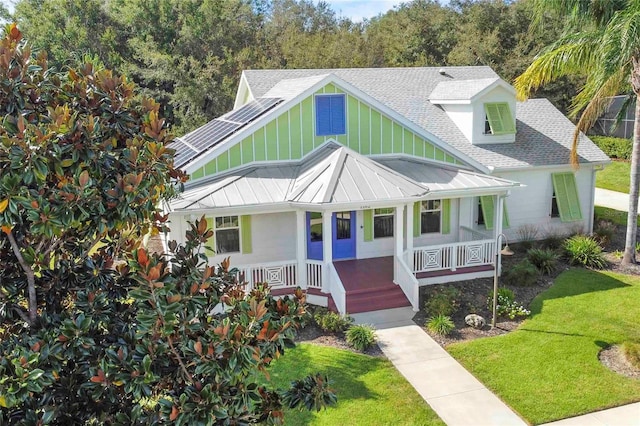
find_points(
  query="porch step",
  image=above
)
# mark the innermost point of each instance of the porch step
(386, 297)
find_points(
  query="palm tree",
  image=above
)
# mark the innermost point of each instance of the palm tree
(601, 42)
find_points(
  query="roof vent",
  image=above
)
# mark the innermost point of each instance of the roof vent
(442, 71)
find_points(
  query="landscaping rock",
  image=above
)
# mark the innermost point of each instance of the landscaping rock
(475, 321)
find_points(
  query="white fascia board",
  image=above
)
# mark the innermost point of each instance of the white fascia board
(499, 82)
(450, 101)
(239, 210)
(355, 205)
(466, 193)
(546, 167)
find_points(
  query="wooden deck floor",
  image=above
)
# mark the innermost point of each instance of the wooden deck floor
(365, 274)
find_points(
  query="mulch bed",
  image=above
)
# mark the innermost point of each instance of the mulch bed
(313, 334)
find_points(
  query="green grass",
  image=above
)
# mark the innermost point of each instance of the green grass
(615, 176)
(548, 369)
(615, 216)
(370, 390)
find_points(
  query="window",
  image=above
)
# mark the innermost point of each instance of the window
(343, 225)
(330, 115)
(486, 210)
(480, 212)
(430, 214)
(554, 205)
(498, 119)
(383, 223)
(566, 197)
(227, 234)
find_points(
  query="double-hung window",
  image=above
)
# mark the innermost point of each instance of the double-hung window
(330, 114)
(430, 215)
(498, 119)
(227, 234)
(383, 222)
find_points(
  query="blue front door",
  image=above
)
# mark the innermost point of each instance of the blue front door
(343, 235)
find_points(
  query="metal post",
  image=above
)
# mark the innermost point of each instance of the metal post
(507, 252)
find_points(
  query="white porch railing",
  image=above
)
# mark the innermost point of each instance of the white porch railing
(314, 274)
(453, 256)
(407, 281)
(282, 274)
(338, 291)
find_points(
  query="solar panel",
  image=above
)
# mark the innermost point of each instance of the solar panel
(183, 152)
(251, 110)
(210, 134)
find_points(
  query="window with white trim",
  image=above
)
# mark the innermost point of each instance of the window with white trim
(227, 234)
(430, 216)
(383, 222)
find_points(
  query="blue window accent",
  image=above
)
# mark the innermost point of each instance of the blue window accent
(330, 115)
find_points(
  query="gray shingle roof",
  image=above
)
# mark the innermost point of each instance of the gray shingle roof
(543, 134)
(460, 89)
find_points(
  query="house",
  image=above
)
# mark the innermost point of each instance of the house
(360, 185)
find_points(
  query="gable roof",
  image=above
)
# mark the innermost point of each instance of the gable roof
(406, 91)
(332, 176)
(461, 90)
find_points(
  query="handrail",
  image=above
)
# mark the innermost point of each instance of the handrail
(338, 291)
(453, 255)
(407, 282)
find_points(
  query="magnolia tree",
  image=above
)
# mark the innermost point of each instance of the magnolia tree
(94, 329)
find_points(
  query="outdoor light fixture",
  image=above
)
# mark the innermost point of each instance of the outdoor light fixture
(506, 251)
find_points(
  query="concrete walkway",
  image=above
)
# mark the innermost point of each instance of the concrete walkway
(627, 415)
(453, 393)
(612, 199)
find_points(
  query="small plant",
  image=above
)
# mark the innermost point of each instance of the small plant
(523, 274)
(361, 336)
(585, 251)
(506, 305)
(618, 254)
(331, 322)
(443, 301)
(553, 239)
(637, 248)
(604, 232)
(631, 351)
(440, 324)
(543, 259)
(527, 234)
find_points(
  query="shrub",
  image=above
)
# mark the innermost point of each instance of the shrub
(527, 234)
(506, 305)
(443, 301)
(614, 147)
(331, 322)
(553, 239)
(604, 232)
(440, 324)
(523, 274)
(361, 336)
(585, 251)
(631, 351)
(543, 259)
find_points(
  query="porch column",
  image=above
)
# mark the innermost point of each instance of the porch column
(498, 228)
(327, 249)
(410, 232)
(398, 235)
(301, 245)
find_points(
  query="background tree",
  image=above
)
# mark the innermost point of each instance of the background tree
(93, 329)
(601, 42)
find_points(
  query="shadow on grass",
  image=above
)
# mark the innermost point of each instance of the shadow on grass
(575, 282)
(344, 369)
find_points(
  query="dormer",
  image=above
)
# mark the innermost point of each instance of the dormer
(484, 109)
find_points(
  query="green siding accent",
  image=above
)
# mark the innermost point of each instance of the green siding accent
(416, 219)
(210, 168)
(329, 88)
(367, 223)
(223, 161)
(307, 125)
(408, 142)
(283, 137)
(271, 132)
(564, 185)
(235, 157)
(376, 134)
(296, 131)
(353, 130)
(387, 135)
(397, 137)
(245, 229)
(247, 150)
(439, 154)
(446, 216)
(259, 144)
(487, 203)
(198, 173)
(365, 130)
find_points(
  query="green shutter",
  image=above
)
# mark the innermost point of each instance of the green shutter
(416, 219)
(505, 215)
(500, 118)
(446, 216)
(486, 203)
(245, 229)
(368, 224)
(212, 240)
(564, 185)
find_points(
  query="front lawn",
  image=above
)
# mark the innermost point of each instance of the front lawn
(615, 176)
(370, 390)
(548, 368)
(611, 215)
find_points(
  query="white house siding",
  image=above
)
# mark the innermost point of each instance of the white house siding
(273, 237)
(531, 205)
